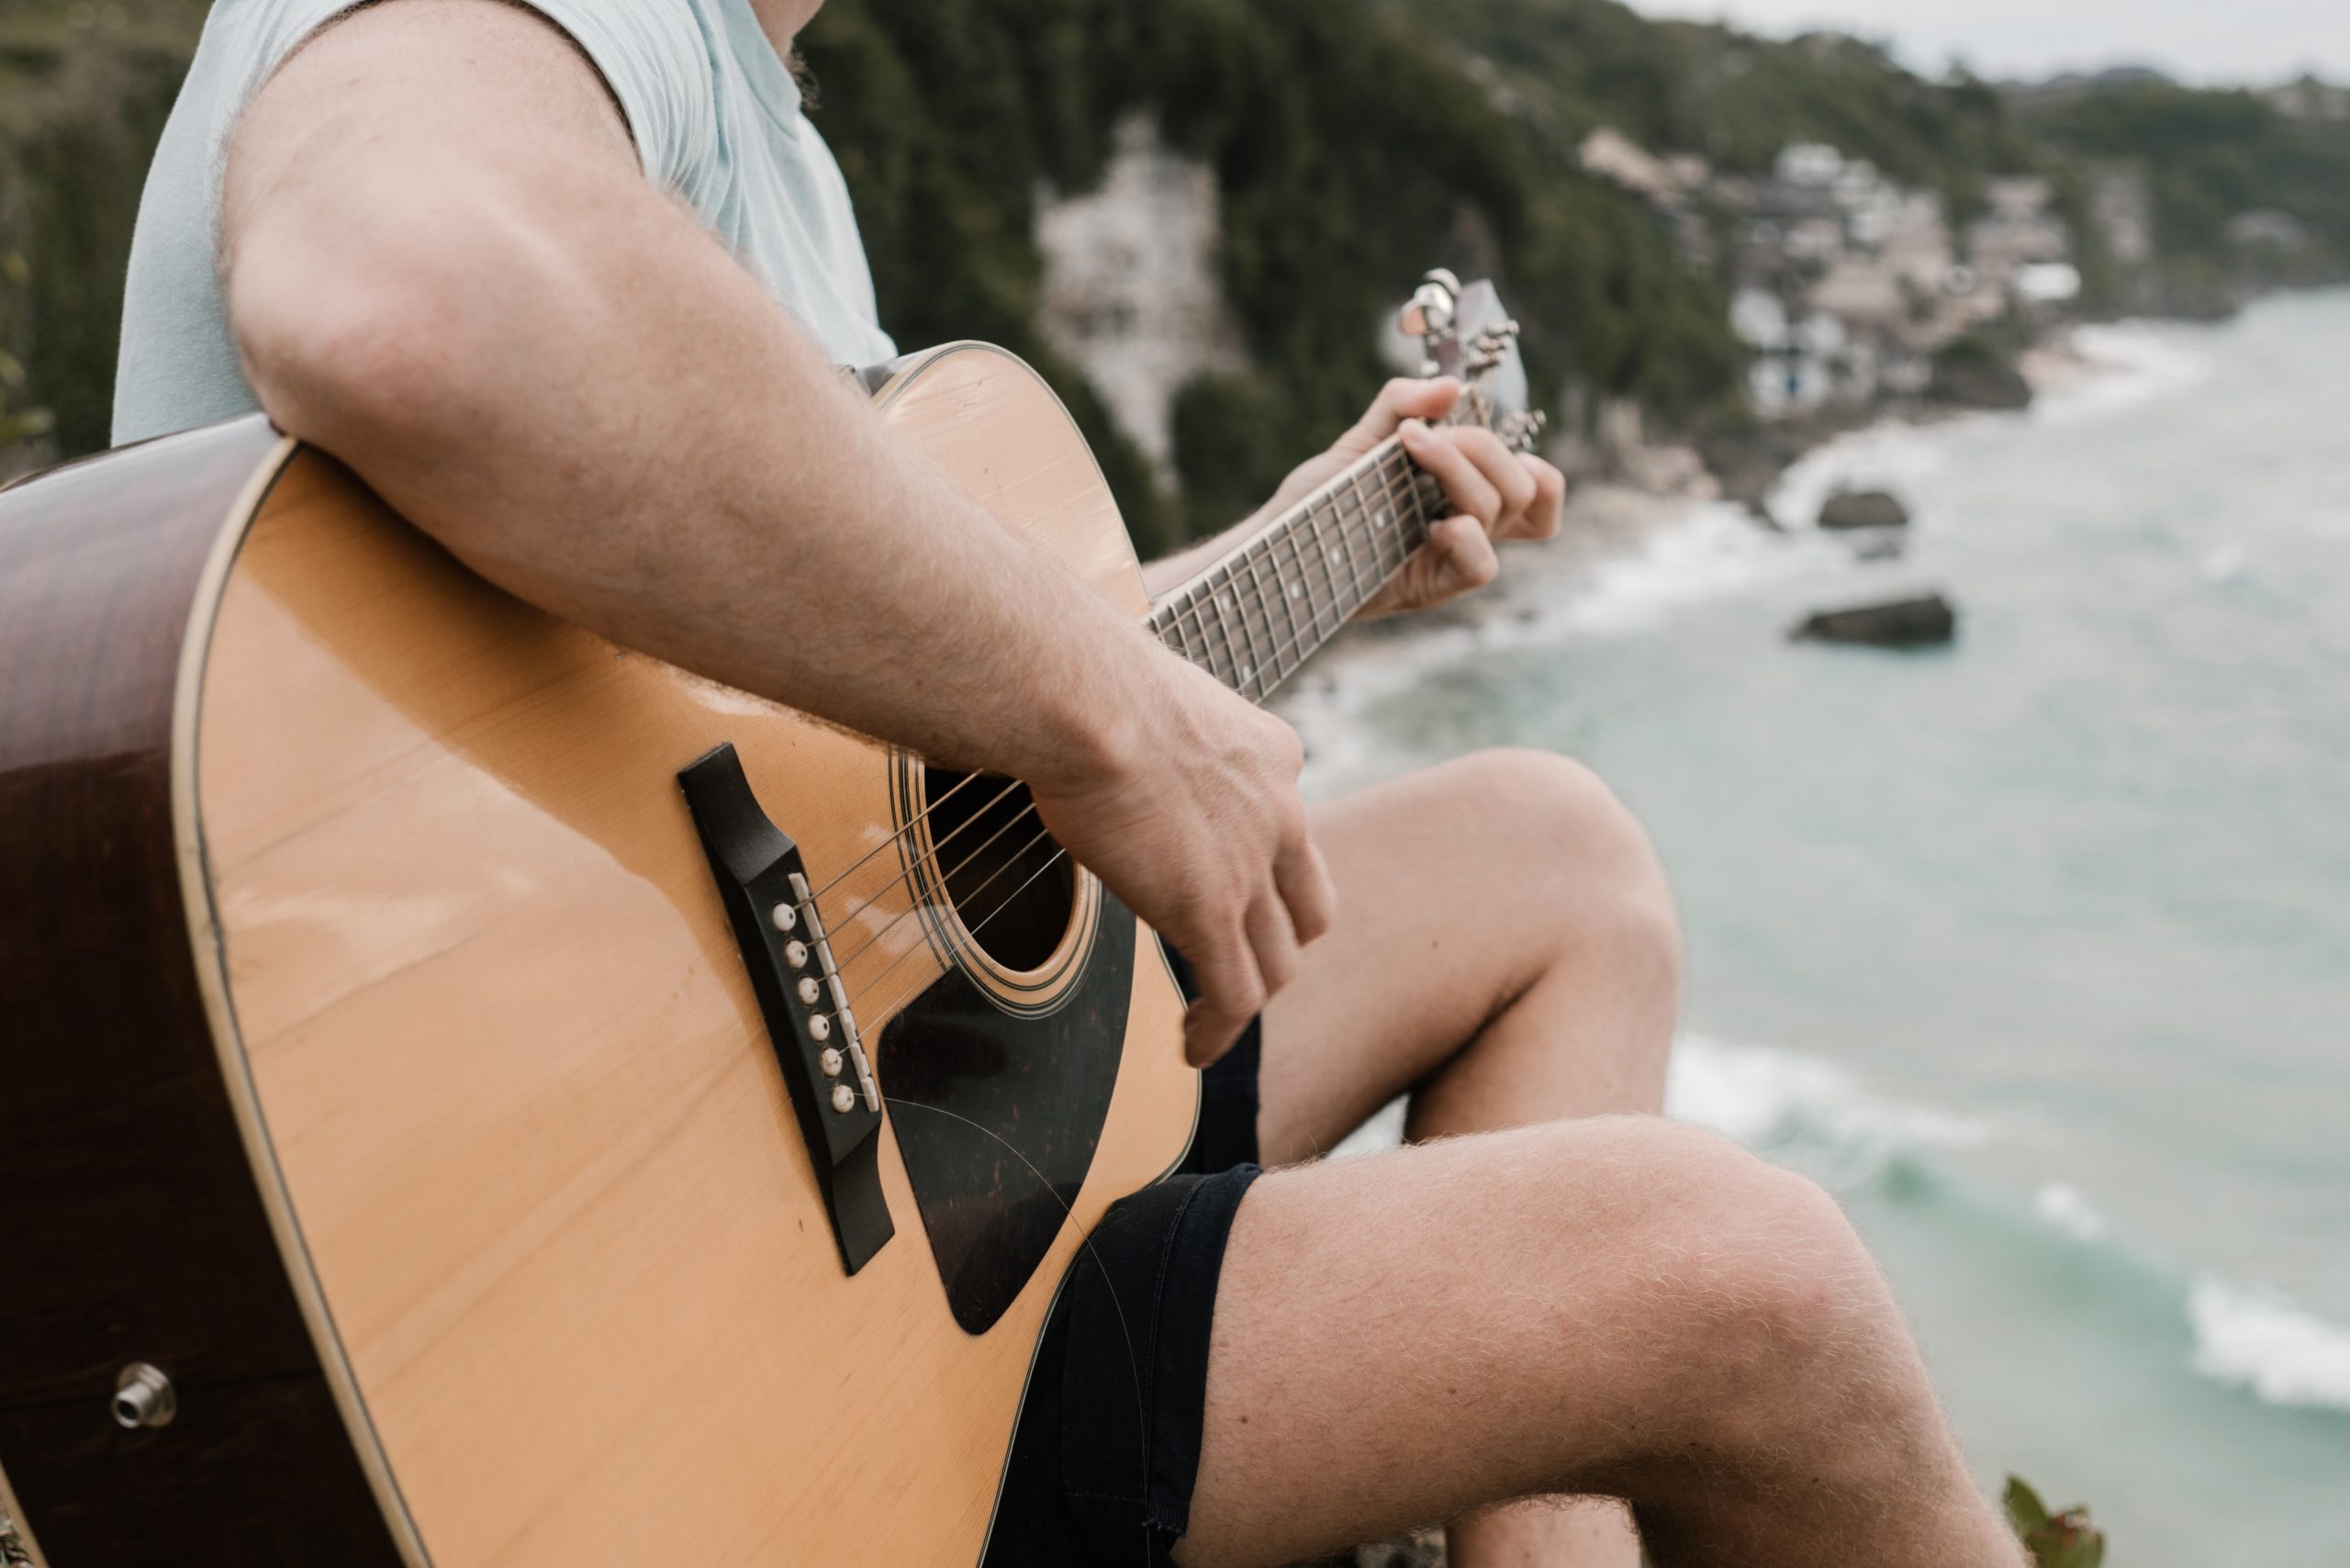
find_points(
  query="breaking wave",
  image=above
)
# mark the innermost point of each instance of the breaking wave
(1809, 1113)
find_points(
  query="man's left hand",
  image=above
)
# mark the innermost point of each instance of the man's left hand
(1495, 493)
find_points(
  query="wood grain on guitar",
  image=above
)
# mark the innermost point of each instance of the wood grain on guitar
(387, 1071)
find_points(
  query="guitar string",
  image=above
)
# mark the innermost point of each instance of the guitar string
(1390, 493)
(833, 923)
(1189, 606)
(1281, 528)
(868, 988)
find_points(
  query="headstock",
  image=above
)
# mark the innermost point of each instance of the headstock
(1465, 332)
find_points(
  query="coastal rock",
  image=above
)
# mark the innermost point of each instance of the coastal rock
(1927, 620)
(1976, 378)
(1864, 509)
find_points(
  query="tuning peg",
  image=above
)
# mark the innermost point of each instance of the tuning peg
(1429, 312)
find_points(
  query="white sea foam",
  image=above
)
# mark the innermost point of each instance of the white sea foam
(1898, 457)
(1712, 552)
(2132, 363)
(2257, 1340)
(2064, 1206)
(1784, 1102)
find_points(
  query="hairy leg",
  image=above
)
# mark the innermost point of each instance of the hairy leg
(1617, 1307)
(1504, 949)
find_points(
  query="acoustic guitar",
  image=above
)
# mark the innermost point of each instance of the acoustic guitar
(474, 1094)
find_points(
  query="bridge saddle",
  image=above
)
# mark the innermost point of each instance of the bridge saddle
(781, 933)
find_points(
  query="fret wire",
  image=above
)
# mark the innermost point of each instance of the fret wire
(1251, 599)
(1305, 581)
(1375, 529)
(1209, 643)
(1312, 607)
(1330, 554)
(1171, 633)
(1257, 656)
(1345, 538)
(1402, 501)
(1191, 607)
(1400, 492)
(1391, 539)
(1321, 560)
(1256, 660)
(1240, 660)
(1248, 558)
(1293, 652)
(1389, 552)
(1287, 593)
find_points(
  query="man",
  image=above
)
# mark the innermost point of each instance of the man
(566, 281)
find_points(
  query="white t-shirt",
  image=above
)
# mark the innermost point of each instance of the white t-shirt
(715, 114)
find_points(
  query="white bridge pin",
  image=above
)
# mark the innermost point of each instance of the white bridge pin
(843, 1097)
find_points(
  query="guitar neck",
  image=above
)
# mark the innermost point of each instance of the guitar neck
(1255, 616)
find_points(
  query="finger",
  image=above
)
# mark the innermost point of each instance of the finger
(1549, 498)
(1401, 398)
(1304, 878)
(1506, 471)
(1467, 487)
(1231, 992)
(1465, 553)
(1274, 942)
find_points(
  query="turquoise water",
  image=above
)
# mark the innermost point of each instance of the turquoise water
(2038, 948)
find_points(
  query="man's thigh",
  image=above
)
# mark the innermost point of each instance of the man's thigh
(1457, 887)
(1401, 1339)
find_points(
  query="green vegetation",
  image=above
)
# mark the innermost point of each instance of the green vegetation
(2210, 156)
(1355, 143)
(2056, 1540)
(1351, 155)
(84, 90)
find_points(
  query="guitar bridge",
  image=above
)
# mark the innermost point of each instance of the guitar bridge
(810, 1022)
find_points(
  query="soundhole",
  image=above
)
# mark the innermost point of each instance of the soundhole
(1012, 889)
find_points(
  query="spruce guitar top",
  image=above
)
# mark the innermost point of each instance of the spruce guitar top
(479, 1096)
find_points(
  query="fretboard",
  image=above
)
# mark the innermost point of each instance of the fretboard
(1255, 616)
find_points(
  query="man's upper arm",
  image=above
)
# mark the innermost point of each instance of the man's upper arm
(392, 171)
(366, 108)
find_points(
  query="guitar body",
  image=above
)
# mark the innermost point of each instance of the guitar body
(382, 1065)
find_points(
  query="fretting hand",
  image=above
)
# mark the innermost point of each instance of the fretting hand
(1495, 493)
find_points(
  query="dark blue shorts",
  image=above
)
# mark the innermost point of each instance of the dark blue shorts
(1108, 1443)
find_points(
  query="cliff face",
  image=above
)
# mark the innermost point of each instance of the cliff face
(1131, 297)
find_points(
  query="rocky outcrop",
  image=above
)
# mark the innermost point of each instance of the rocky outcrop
(1972, 373)
(1131, 294)
(1864, 509)
(1927, 620)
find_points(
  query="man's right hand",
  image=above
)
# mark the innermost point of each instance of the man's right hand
(1190, 815)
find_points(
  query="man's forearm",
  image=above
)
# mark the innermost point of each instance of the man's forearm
(536, 358)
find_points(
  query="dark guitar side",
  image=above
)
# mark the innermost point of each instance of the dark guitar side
(131, 1226)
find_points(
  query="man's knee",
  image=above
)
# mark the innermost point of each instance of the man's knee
(1561, 822)
(1780, 1317)
(1760, 1302)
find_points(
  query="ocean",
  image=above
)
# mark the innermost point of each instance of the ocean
(2035, 949)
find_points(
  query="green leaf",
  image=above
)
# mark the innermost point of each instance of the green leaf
(2025, 1511)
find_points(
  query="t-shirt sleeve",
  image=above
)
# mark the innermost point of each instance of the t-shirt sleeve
(655, 56)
